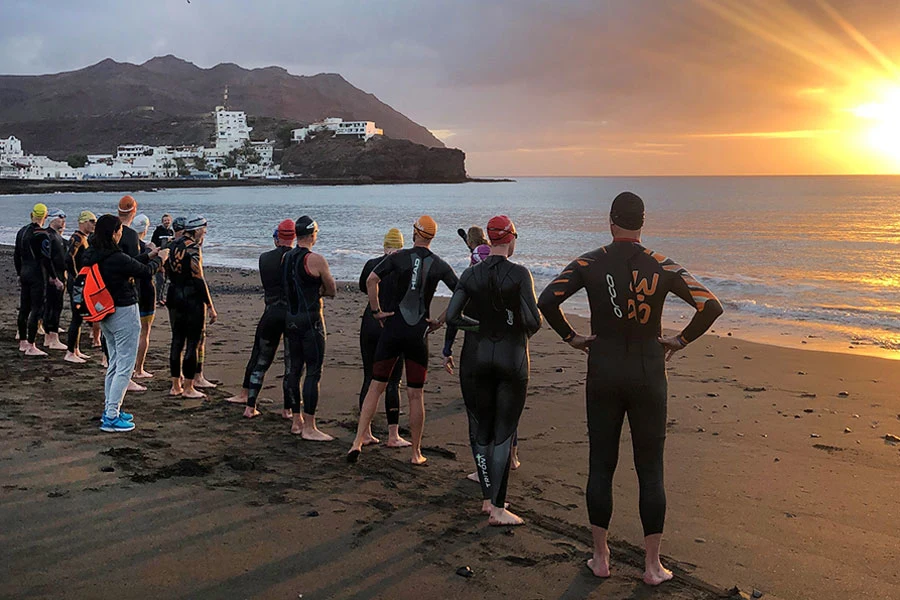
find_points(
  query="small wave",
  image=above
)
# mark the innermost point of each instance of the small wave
(855, 317)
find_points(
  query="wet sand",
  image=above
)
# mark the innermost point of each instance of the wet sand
(200, 503)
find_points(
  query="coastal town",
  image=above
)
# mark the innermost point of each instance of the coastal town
(234, 155)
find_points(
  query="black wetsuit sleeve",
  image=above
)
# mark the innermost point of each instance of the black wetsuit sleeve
(198, 279)
(531, 315)
(386, 267)
(697, 295)
(456, 320)
(131, 267)
(560, 289)
(17, 253)
(449, 277)
(47, 257)
(367, 270)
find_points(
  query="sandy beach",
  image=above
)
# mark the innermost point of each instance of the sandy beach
(779, 479)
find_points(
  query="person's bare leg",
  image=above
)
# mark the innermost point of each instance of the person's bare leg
(416, 398)
(81, 354)
(514, 458)
(23, 345)
(366, 414)
(251, 412)
(143, 346)
(240, 398)
(72, 357)
(654, 572)
(287, 413)
(297, 425)
(599, 563)
(370, 438)
(501, 517)
(177, 388)
(395, 440)
(311, 432)
(95, 335)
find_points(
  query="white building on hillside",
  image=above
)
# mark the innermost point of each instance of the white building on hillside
(233, 133)
(11, 146)
(363, 130)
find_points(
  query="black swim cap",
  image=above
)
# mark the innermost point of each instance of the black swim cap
(305, 226)
(627, 211)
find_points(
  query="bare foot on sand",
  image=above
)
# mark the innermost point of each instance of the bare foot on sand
(656, 574)
(176, 391)
(51, 341)
(398, 442)
(486, 506)
(314, 435)
(134, 387)
(417, 458)
(287, 414)
(23, 345)
(238, 398)
(82, 355)
(73, 358)
(192, 393)
(33, 350)
(514, 462)
(473, 477)
(297, 426)
(370, 439)
(201, 382)
(500, 517)
(250, 412)
(142, 375)
(599, 564)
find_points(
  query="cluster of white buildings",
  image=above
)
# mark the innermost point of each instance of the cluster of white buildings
(234, 156)
(363, 130)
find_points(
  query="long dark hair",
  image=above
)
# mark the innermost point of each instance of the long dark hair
(107, 226)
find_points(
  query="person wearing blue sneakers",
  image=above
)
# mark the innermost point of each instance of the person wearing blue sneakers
(122, 328)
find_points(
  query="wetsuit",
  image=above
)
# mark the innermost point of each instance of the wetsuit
(493, 365)
(146, 292)
(627, 285)
(78, 243)
(157, 240)
(418, 272)
(270, 328)
(55, 246)
(187, 299)
(369, 334)
(304, 330)
(32, 263)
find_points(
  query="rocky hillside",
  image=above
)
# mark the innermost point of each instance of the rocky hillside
(379, 159)
(167, 100)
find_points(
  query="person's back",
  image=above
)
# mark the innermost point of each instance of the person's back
(302, 290)
(418, 272)
(184, 270)
(271, 274)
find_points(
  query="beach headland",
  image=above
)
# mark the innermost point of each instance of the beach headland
(765, 489)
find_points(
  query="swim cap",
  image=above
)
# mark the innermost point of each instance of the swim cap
(195, 223)
(127, 204)
(56, 213)
(86, 216)
(285, 231)
(627, 211)
(481, 252)
(426, 227)
(140, 223)
(501, 230)
(305, 226)
(39, 210)
(393, 239)
(178, 224)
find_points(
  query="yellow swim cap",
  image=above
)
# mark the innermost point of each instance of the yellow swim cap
(393, 239)
(39, 210)
(86, 216)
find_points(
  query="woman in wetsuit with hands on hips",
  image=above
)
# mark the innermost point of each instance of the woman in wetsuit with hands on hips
(494, 363)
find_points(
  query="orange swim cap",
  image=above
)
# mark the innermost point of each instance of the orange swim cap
(127, 204)
(426, 227)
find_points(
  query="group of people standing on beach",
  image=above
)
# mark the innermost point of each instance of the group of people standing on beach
(493, 302)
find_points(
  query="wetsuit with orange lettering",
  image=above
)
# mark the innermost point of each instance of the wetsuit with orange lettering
(627, 285)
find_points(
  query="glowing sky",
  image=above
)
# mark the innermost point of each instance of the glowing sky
(587, 87)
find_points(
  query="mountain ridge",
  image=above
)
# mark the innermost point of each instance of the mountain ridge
(44, 110)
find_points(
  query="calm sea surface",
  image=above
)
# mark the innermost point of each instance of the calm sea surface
(794, 259)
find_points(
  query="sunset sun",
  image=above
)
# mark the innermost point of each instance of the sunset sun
(881, 132)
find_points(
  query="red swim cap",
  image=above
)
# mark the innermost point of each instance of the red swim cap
(501, 230)
(286, 231)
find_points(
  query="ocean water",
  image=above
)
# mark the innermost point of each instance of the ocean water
(811, 262)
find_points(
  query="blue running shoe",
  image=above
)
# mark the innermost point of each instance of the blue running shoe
(126, 416)
(115, 425)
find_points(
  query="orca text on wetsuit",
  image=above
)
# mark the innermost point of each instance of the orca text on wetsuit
(494, 363)
(626, 286)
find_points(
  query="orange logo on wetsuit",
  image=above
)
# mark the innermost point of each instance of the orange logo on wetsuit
(639, 309)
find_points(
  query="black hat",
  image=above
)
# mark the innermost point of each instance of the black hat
(627, 211)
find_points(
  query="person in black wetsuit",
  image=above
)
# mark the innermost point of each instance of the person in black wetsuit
(627, 285)
(493, 366)
(161, 237)
(407, 322)
(188, 301)
(78, 243)
(369, 333)
(56, 278)
(307, 279)
(270, 329)
(31, 265)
